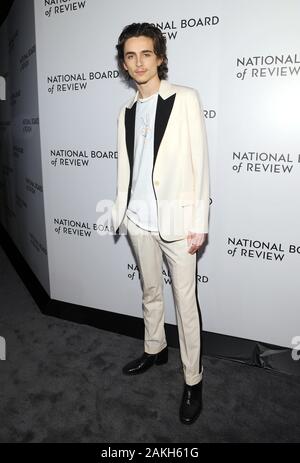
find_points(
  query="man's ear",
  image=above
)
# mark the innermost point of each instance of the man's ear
(124, 66)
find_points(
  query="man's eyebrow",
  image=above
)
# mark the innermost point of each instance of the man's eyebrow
(133, 52)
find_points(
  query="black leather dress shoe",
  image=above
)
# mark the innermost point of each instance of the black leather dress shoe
(146, 361)
(191, 404)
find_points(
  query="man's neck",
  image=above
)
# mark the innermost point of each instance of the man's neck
(149, 88)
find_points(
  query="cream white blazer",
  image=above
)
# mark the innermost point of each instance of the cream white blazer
(180, 173)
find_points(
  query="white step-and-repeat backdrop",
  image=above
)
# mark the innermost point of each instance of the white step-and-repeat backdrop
(243, 57)
(21, 186)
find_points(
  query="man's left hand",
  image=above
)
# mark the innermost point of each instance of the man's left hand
(195, 241)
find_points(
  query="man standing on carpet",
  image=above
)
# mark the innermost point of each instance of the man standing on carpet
(163, 200)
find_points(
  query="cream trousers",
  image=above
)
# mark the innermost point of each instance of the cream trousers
(149, 248)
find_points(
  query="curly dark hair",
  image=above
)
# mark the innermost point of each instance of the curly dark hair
(159, 46)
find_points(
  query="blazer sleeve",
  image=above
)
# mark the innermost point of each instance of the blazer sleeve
(199, 153)
(115, 219)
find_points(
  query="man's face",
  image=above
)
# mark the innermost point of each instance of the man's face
(140, 60)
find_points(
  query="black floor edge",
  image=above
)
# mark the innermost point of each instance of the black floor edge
(255, 353)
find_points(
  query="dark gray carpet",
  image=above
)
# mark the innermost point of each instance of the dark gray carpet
(62, 382)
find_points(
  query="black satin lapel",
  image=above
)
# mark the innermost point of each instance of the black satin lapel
(130, 132)
(163, 111)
